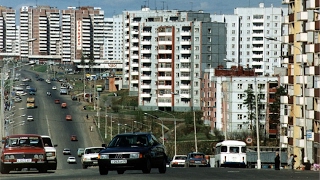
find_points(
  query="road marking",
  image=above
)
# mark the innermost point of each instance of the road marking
(48, 126)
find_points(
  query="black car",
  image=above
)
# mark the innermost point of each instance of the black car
(133, 151)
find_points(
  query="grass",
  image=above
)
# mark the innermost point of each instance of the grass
(40, 68)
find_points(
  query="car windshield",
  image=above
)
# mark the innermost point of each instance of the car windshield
(197, 156)
(180, 158)
(129, 140)
(24, 141)
(93, 150)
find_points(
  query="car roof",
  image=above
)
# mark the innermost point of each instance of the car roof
(135, 133)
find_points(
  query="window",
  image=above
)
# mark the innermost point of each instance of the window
(233, 25)
(233, 45)
(209, 30)
(196, 38)
(233, 32)
(233, 38)
(248, 39)
(268, 32)
(233, 53)
(248, 45)
(248, 24)
(249, 126)
(248, 31)
(248, 53)
(239, 116)
(275, 31)
(268, 24)
(239, 86)
(250, 86)
(248, 17)
(239, 126)
(209, 39)
(239, 106)
(275, 17)
(268, 17)
(196, 48)
(275, 24)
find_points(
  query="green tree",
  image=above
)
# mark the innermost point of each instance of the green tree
(251, 105)
(274, 108)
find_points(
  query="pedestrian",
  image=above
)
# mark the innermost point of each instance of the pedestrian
(277, 162)
(291, 161)
(87, 116)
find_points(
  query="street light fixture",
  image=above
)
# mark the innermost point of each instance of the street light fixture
(175, 130)
(161, 125)
(305, 158)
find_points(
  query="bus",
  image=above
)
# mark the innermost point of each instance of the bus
(230, 153)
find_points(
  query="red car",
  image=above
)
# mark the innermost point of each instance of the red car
(74, 138)
(68, 117)
(57, 101)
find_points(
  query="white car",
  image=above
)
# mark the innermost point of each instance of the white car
(23, 94)
(28, 87)
(178, 161)
(66, 151)
(54, 87)
(30, 118)
(71, 160)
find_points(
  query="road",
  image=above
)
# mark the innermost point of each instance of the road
(172, 174)
(49, 119)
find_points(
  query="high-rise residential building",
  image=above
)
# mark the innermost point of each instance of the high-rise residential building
(300, 109)
(82, 33)
(113, 41)
(246, 32)
(43, 24)
(9, 46)
(165, 52)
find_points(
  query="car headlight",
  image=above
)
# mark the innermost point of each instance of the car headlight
(134, 155)
(103, 156)
(9, 157)
(36, 156)
(41, 156)
(50, 154)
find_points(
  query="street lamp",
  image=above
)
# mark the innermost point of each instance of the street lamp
(175, 130)
(305, 158)
(105, 127)
(161, 125)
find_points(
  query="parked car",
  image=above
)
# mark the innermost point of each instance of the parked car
(30, 118)
(178, 161)
(196, 159)
(133, 151)
(71, 160)
(66, 151)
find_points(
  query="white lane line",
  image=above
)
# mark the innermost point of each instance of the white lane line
(48, 126)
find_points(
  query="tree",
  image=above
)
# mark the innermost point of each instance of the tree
(251, 105)
(274, 108)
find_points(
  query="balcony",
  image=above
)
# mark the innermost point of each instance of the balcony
(145, 86)
(164, 51)
(309, 92)
(312, 4)
(284, 99)
(310, 114)
(309, 48)
(284, 119)
(145, 77)
(300, 122)
(299, 143)
(285, 20)
(300, 101)
(144, 60)
(302, 16)
(145, 95)
(302, 37)
(311, 26)
(284, 139)
(287, 1)
(145, 68)
(164, 77)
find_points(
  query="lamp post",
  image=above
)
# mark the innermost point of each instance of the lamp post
(175, 130)
(161, 125)
(257, 128)
(305, 158)
(105, 127)
(111, 127)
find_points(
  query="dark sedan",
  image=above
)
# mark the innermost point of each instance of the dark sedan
(133, 151)
(196, 159)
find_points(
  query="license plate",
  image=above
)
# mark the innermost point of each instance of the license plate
(198, 162)
(95, 162)
(24, 160)
(118, 161)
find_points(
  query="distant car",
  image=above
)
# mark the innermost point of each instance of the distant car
(64, 105)
(54, 87)
(30, 118)
(48, 93)
(68, 117)
(66, 151)
(57, 101)
(32, 93)
(71, 160)
(40, 79)
(23, 84)
(178, 161)
(28, 87)
(23, 94)
(196, 159)
(26, 80)
(80, 152)
(74, 138)
(133, 151)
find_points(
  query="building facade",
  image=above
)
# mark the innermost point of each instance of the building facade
(165, 53)
(246, 32)
(300, 115)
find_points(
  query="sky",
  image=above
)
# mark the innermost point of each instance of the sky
(115, 7)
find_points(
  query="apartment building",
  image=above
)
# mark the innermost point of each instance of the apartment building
(9, 46)
(300, 115)
(41, 23)
(165, 52)
(246, 45)
(223, 99)
(82, 34)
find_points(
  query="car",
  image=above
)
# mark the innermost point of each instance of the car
(28, 87)
(80, 152)
(30, 118)
(32, 93)
(71, 160)
(178, 161)
(40, 79)
(90, 156)
(23, 84)
(51, 152)
(57, 101)
(64, 105)
(48, 93)
(74, 138)
(133, 151)
(196, 159)
(54, 87)
(66, 151)
(68, 117)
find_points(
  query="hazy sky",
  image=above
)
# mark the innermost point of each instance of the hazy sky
(114, 7)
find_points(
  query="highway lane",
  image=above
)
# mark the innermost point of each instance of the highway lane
(50, 120)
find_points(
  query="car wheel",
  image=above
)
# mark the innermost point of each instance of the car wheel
(120, 171)
(84, 167)
(147, 167)
(4, 170)
(103, 170)
(163, 167)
